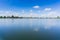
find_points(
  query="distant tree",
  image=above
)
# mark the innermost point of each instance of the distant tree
(58, 17)
(1, 16)
(12, 16)
(16, 16)
(4, 16)
(21, 17)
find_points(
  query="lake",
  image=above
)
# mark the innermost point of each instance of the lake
(29, 29)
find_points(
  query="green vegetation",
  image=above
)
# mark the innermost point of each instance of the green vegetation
(10, 16)
(1, 17)
(58, 17)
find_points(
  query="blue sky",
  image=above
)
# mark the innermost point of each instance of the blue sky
(18, 4)
(26, 5)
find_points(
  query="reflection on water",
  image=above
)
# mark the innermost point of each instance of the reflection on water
(29, 29)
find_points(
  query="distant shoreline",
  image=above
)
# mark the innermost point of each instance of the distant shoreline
(27, 18)
(17, 17)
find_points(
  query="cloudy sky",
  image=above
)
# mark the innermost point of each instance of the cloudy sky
(30, 7)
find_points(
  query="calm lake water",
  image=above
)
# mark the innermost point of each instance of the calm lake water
(29, 29)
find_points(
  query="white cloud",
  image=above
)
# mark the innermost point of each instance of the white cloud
(50, 14)
(47, 9)
(8, 13)
(44, 14)
(36, 7)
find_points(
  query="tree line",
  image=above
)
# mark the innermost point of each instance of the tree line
(10, 16)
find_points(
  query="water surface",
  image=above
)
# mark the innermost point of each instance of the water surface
(29, 29)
